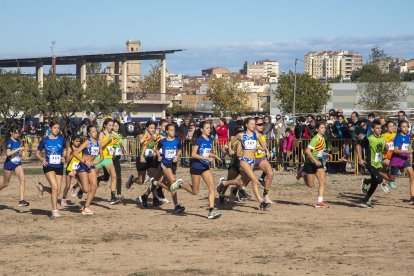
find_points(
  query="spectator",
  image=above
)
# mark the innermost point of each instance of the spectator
(267, 127)
(191, 119)
(183, 129)
(223, 136)
(355, 126)
(300, 128)
(170, 120)
(342, 128)
(287, 147)
(232, 125)
(279, 128)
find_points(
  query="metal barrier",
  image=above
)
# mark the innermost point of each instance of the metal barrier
(343, 151)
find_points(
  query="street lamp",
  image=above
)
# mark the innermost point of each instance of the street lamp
(294, 87)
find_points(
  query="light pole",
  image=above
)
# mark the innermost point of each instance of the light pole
(294, 87)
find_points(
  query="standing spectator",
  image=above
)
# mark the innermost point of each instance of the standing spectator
(279, 128)
(183, 129)
(233, 125)
(170, 120)
(371, 118)
(223, 136)
(355, 126)
(191, 119)
(300, 128)
(383, 121)
(267, 127)
(287, 147)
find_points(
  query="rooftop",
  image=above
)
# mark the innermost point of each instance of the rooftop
(65, 60)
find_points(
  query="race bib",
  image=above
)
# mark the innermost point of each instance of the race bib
(390, 145)
(320, 154)
(378, 157)
(405, 147)
(94, 150)
(111, 150)
(75, 166)
(118, 151)
(206, 152)
(15, 159)
(250, 144)
(170, 154)
(149, 153)
(55, 159)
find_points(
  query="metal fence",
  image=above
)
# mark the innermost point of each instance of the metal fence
(343, 152)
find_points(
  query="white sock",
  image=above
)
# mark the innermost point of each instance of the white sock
(320, 198)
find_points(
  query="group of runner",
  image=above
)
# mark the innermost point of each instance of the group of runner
(386, 156)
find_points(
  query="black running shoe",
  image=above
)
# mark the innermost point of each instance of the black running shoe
(80, 194)
(222, 200)
(264, 205)
(143, 201)
(243, 195)
(160, 192)
(156, 202)
(23, 203)
(179, 209)
(115, 200)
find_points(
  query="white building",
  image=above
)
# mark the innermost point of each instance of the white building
(264, 69)
(175, 81)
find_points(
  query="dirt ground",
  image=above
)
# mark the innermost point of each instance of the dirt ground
(292, 238)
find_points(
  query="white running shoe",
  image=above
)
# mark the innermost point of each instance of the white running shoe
(63, 202)
(87, 212)
(267, 199)
(176, 185)
(385, 187)
(55, 214)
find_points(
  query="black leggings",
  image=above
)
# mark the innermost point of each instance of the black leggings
(117, 164)
(105, 177)
(375, 180)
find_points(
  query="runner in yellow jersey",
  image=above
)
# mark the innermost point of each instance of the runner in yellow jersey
(389, 136)
(71, 168)
(107, 140)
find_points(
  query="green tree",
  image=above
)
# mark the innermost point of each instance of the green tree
(19, 94)
(93, 68)
(103, 97)
(151, 83)
(378, 87)
(311, 94)
(227, 95)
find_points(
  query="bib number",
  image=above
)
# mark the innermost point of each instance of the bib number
(94, 150)
(15, 159)
(206, 152)
(149, 153)
(75, 166)
(111, 150)
(405, 147)
(55, 159)
(320, 154)
(170, 154)
(390, 145)
(378, 157)
(118, 151)
(250, 144)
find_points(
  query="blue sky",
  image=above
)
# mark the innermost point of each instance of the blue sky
(214, 33)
